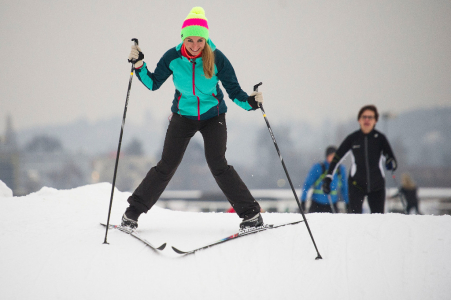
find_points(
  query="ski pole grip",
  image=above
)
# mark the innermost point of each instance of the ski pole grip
(136, 44)
(256, 86)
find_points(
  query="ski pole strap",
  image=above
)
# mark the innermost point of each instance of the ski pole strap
(318, 181)
(321, 192)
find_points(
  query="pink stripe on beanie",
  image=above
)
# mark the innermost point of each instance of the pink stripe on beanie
(198, 22)
(195, 24)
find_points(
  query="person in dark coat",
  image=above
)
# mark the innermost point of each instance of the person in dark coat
(370, 151)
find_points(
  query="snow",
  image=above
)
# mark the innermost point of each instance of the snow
(52, 248)
(5, 191)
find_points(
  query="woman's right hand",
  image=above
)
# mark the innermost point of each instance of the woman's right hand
(136, 57)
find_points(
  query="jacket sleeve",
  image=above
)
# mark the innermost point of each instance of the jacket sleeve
(226, 74)
(153, 81)
(341, 153)
(386, 149)
(313, 175)
(344, 184)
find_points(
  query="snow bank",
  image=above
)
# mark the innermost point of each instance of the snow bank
(5, 191)
(52, 248)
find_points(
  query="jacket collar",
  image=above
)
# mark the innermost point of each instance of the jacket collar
(371, 133)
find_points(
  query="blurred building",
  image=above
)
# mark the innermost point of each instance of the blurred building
(9, 158)
(131, 169)
(44, 162)
(57, 169)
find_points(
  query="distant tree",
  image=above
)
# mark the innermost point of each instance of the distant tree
(44, 143)
(269, 170)
(193, 172)
(68, 176)
(134, 148)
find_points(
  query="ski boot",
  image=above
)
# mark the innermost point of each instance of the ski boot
(251, 222)
(130, 218)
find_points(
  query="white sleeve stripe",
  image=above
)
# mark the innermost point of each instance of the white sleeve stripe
(381, 165)
(338, 163)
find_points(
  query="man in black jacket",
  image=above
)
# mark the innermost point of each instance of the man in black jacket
(370, 150)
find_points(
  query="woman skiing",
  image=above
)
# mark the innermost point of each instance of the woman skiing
(369, 149)
(196, 66)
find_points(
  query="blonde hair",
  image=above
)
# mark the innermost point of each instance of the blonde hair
(208, 59)
(407, 181)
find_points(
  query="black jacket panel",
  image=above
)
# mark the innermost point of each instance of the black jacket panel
(368, 151)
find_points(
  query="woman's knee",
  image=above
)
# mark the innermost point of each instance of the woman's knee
(217, 165)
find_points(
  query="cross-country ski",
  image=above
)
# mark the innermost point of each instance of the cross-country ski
(135, 235)
(241, 233)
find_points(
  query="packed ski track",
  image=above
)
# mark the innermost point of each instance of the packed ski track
(52, 247)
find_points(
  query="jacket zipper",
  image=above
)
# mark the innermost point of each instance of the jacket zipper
(178, 102)
(367, 164)
(194, 91)
(217, 106)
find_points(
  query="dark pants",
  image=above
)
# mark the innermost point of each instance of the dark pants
(179, 133)
(376, 200)
(411, 206)
(318, 207)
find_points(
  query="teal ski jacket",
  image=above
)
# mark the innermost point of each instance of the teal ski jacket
(196, 97)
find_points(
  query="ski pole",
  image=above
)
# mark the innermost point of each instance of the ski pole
(286, 173)
(119, 147)
(332, 207)
(400, 195)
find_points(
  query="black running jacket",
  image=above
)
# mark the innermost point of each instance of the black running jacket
(369, 153)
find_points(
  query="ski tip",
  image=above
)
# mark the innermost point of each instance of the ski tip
(178, 251)
(162, 247)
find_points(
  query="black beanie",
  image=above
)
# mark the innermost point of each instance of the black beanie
(330, 150)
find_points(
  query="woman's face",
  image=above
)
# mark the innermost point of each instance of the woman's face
(367, 121)
(194, 44)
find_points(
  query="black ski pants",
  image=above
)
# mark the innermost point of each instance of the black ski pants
(179, 133)
(411, 206)
(376, 200)
(316, 207)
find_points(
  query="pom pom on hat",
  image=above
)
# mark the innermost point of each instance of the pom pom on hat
(195, 24)
(196, 12)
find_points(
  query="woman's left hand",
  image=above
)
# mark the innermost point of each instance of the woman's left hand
(255, 100)
(391, 164)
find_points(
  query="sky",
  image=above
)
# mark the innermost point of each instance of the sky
(67, 60)
(52, 248)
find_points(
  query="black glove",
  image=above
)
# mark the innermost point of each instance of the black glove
(255, 100)
(326, 185)
(391, 164)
